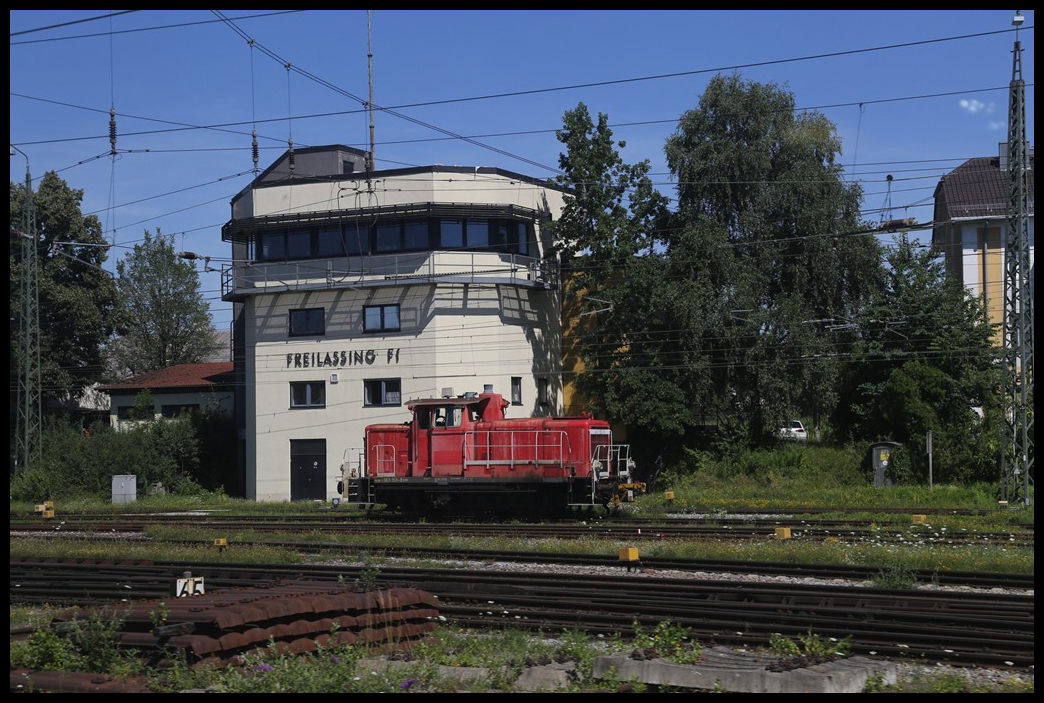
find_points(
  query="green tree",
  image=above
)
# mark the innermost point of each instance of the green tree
(926, 362)
(163, 317)
(606, 238)
(77, 298)
(762, 200)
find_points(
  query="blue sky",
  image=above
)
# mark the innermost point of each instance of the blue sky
(912, 93)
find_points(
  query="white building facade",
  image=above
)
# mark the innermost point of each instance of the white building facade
(354, 292)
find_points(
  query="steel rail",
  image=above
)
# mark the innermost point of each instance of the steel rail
(958, 628)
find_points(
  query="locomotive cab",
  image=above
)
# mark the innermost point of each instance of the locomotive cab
(464, 452)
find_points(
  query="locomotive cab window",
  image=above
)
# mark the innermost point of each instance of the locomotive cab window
(423, 419)
(448, 416)
(453, 416)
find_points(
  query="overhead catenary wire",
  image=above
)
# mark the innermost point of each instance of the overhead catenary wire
(865, 210)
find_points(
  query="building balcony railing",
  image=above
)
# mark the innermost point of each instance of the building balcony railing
(488, 268)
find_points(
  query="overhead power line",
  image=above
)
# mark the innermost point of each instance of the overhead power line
(66, 24)
(131, 31)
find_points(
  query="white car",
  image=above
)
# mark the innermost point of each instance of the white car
(793, 430)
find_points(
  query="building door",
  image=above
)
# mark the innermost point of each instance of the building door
(307, 469)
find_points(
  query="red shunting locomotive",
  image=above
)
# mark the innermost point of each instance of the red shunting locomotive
(462, 453)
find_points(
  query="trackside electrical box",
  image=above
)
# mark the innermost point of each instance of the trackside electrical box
(124, 489)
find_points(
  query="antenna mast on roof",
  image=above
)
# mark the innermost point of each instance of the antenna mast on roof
(369, 61)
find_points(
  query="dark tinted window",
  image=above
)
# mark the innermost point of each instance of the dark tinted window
(307, 322)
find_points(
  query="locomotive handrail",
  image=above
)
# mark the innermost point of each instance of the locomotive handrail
(354, 460)
(556, 450)
(383, 459)
(614, 456)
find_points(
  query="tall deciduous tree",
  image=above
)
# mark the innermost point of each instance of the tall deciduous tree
(761, 194)
(77, 297)
(164, 319)
(927, 362)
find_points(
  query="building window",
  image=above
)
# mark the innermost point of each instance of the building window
(510, 236)
(307, 322)
(330, 243)
(516, 390)
(543, 392)
(391, 236)
(382, 391)
(478, 234)
(179, 409)
(273, 246)
(415, 235)
(308, 394)
(381, 318)
(298, 244)
(132, 412)
(357, 240)
(451, 234)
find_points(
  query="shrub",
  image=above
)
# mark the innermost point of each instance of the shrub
(72, 464)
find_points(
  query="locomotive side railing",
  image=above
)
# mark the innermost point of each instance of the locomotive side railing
(615, 460)
(353, 463)
(381, 460)
(516, 447)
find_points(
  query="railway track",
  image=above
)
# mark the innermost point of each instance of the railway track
(650, 564)
(662, 530)
(957, 628)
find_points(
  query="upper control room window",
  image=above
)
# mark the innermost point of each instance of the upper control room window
(307, 322)
(392, 236)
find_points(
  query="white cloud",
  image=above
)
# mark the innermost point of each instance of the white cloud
(995, 126)
(975, 106)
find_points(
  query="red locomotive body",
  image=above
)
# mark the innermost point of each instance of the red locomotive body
(463, 452)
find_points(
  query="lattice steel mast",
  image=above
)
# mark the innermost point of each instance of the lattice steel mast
(1017, 454)
(29, 422)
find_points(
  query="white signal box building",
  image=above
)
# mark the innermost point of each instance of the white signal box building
(355, 291)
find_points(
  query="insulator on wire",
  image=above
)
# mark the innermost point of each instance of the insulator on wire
(254, 149)
(291, 143)
(112, 130)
